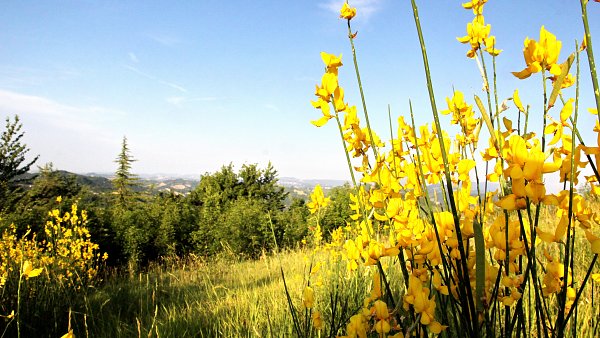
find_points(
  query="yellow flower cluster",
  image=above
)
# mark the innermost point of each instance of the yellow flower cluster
(476, 250)
(65, 253)
(317, 200)
(541, 55)
(478, 33)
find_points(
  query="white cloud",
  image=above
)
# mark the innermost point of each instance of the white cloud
(176, 100)
(165, 40)
(16, 77)
(74, 138)
(55, 113)
(133, 57)
(272, 107)
(154, 78)
(365, 8)
(179, 100)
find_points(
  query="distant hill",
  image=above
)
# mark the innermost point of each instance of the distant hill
(155, 182)
(300, 188)
(95, 183)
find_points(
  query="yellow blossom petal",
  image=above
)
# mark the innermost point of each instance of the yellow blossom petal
(347, 12)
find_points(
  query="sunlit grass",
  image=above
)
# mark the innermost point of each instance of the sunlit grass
(221, 297)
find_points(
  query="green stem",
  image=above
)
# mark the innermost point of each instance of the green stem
(18, 315)
(545, 111)
(561, 323)
(341, 130)
(362, 94)
(585, 279)
(590, 54)
(467, 297)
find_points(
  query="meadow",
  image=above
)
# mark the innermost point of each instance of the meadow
(489, 252)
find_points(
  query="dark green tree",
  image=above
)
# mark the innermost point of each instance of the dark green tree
(124, 181)
(12, 162)
(32, 209)
(234, 209)
(337, 213)
(293, 224)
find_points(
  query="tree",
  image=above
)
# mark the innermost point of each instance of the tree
(235, 210)
(124, 180)
(32, 209)
(12, 161)
(337, 213)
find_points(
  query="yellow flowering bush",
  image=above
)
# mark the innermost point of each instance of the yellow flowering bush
(65, 251)
(474, 261)
(62, 261)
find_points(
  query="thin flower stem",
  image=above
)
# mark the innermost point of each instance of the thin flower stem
(349, 163)
(545, 110)
(581, 142)
(341, 130)
(401, 253)
(561, 323)
(427, 201)
(487, 87)
(362, 94)
(467, 297)
(590, 54)
(585, 280)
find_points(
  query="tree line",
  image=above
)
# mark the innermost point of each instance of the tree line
(241, 212)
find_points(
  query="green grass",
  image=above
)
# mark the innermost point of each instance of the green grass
(197, 298)
(229, 297)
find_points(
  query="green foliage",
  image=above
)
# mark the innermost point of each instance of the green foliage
(234, 210)
(337, 213)
(228, 210)
(124, 180)
(32, 209)
(293, 224)
(12, 162)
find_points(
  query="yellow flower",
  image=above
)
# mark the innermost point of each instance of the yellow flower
(594, 241)
(380, 310)
(317, 320)
(475, 5)
(347, 12)
(478, 33)
(324, 106)
(464, 167)
(357, 326)
(308, 297)
(317, 200)
(517, 101)
(331, 61)
(28, 271)
(69, 334)
(541, 55)
(329, 87)
(382, 326)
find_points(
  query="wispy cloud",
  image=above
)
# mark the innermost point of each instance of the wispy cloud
(22, 77)
(165, 40)
(133, 57)
(272, 107)
(154, 78)
(365, 8)
(176, 100)
(60, 116)
(180, 100)
(77, 138)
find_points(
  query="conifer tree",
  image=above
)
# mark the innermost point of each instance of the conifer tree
(12, 161)
(124, 180)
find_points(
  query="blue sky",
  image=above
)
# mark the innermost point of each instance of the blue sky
(198, 84)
